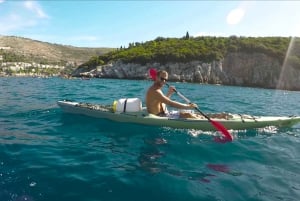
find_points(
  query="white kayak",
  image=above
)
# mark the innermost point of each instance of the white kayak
(231, 121)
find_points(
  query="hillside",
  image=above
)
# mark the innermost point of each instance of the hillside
(17, 49)
(206, 49)
(268, 62)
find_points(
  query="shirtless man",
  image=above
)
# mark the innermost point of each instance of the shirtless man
(156, 101)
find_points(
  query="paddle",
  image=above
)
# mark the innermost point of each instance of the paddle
(217, 125)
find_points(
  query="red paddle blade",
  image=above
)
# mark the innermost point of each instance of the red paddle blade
(152, 73)
(222, 129)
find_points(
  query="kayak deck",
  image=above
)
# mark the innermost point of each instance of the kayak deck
(230, 121)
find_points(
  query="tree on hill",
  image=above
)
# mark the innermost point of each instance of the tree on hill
(187, 35)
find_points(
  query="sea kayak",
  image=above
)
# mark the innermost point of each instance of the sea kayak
(230, 121)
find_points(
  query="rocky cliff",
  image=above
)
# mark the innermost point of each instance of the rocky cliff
(238, 69)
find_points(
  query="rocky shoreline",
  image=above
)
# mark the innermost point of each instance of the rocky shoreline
(236, 69)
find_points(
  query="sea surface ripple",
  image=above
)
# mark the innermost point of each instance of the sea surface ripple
(48, 155)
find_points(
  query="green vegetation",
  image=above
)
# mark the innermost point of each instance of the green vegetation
(206, 49)
(11, 57)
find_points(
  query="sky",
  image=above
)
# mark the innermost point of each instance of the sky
(96, 23)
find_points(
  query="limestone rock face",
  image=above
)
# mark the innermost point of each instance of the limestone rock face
(259, 70)
(237, 69)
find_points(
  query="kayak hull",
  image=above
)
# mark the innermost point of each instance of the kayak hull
(235, 122)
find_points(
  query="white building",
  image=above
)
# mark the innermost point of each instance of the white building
(5, 48)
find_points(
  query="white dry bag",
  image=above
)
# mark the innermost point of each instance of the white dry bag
(127, 105)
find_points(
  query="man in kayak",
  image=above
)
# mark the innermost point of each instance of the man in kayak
(156, 101)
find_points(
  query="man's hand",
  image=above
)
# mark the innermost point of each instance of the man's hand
(193, 105)
(171, 90)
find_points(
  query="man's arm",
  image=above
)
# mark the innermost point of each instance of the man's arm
(166, 100)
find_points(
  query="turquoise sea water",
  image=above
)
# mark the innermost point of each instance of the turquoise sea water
(46, 155)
